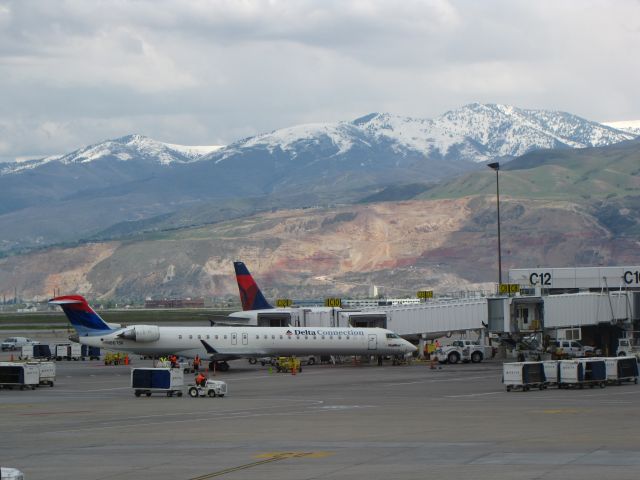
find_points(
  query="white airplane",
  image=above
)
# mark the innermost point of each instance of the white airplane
(220, 344)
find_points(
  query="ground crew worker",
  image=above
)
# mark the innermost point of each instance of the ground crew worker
(174, 361)
(196, 363)
(201, 380)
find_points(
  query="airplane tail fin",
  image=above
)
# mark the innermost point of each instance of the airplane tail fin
(83, 318)
(250, 294)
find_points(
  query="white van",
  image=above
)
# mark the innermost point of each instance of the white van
(572, 348)
(16, 343)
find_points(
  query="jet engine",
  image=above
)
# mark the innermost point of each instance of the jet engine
(141, 333)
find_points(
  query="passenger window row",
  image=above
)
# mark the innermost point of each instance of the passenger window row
(266, 337)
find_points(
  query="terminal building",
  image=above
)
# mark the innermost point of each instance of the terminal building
(597, 305)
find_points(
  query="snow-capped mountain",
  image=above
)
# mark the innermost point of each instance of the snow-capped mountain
(473, 133)
(127, 148)
(134, 178)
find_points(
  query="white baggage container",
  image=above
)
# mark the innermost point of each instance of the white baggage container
(11, 474)
(550, 371)
(569, 373)
(523, 375)
(14, 374)
(621, 369)
(46, 372)
(68, 351)
(26, 352)
(582, 371)
(146, 381)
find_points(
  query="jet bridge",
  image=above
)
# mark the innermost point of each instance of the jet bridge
(362, 319)
(437, 317)
(274, 319)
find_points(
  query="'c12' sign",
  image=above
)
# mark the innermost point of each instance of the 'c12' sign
(630, 277)
(541, 278)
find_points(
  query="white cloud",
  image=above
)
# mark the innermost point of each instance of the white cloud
(212, 71)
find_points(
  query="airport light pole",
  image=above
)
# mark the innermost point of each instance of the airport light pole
(496, 166)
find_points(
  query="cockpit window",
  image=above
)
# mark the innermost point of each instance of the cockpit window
(392, 335)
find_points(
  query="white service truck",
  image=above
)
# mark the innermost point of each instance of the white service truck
(628, 347)
(571, 349)
(212, 388)
(463, 351)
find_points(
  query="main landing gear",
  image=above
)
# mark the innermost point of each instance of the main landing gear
(219, 366)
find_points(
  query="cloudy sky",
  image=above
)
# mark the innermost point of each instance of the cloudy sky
(204, 72)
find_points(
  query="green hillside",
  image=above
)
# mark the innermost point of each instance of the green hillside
(593, 174)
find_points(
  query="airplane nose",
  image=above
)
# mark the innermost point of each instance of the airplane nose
(410, 348)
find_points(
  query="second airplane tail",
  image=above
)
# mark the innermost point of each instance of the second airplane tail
(250, 295)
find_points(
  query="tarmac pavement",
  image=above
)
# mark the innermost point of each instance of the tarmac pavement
(327, 422)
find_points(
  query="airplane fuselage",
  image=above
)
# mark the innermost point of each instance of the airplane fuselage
(236, 342)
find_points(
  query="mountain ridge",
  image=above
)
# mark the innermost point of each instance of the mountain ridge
(134, 178)
(474, 121)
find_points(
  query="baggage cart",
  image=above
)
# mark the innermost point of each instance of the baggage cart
(92, 353)
(186, 366)
(68, 351)
(35, 351)
(168, 381)
(7, 473)
(550, 371)
(581, 372)
(19, 375)
(46, 372)
(621, 369)
(523, 375)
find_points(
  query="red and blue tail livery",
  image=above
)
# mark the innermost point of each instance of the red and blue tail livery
(83, 318)
(250, 295)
